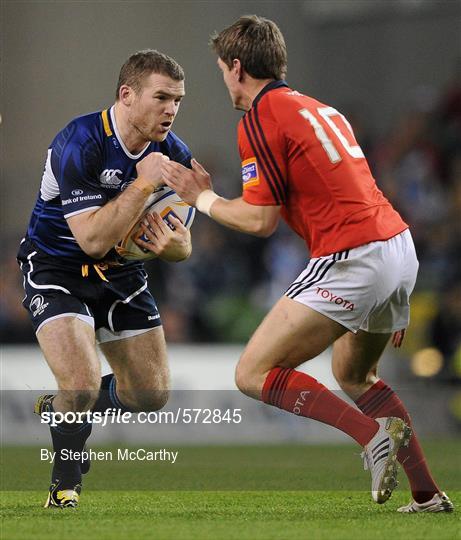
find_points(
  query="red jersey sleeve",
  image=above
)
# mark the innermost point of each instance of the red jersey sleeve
(262, 150)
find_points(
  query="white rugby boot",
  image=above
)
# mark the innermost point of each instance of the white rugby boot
(439, 503)
(380, 456)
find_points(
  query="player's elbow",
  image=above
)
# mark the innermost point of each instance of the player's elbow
(93, 247)
(263, 227)
(97, 253)
(88, 235)
(265, 231)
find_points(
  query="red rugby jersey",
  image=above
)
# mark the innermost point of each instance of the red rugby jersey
(301, 154)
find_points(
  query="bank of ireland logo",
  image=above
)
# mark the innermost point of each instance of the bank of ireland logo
(38, 305)
(109, 178)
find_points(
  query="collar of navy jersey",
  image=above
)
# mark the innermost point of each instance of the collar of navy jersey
(113, 125)
(271, 86)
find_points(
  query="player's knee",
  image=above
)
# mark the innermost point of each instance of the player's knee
(244, 379)
(240, 378)
(250, 375)
(158, 400)
(150, 400)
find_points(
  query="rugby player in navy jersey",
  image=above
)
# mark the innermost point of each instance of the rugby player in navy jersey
(99, 172)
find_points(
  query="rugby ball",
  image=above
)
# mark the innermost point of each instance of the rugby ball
(164, 202)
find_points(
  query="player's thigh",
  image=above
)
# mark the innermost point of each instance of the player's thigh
(69, 347)
(290, 334)
(139, 362)
(355, 358)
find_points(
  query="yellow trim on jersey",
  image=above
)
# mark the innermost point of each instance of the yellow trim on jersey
(105, 121)
(251, 183)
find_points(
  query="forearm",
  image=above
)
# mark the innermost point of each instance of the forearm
(195, 187)
(241, 216)
(104, 228)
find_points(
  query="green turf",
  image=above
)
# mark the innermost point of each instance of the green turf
(278, 492)
(221, 468)
(222, 515)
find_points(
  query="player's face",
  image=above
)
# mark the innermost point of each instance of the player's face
(154, 108)
(231, 81)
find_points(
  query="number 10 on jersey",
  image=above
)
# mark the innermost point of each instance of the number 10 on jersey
(326, 113)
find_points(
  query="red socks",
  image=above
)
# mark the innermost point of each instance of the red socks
(380, 400)
(303, 395)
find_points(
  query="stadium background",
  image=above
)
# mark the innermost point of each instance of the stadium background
(394, 69)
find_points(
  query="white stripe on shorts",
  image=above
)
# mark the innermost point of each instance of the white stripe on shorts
(128, 299)
(364, 288)
(314, 273)
(87, 319)
(36, 285)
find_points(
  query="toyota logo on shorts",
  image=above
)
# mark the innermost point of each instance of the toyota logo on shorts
(76, 192)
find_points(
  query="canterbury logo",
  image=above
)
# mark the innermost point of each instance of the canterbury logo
(109, 177)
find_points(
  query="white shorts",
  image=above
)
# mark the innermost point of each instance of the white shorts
(364, 288)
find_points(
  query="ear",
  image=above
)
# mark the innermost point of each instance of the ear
(126, 94)
(237, 69)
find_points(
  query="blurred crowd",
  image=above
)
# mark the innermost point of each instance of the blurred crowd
(419, 168)
(221, 293)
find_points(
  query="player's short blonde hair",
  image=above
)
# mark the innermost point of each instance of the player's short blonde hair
(257, 42)
(142, 64)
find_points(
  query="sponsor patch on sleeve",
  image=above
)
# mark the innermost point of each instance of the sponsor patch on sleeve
(250, 176)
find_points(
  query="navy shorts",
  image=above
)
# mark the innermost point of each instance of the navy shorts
(118, 308)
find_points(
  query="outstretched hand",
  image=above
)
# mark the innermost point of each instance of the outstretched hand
(188, 183)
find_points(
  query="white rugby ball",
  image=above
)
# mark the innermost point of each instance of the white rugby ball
(164, 202)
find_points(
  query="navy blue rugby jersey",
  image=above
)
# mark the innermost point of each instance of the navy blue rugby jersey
(87, 165)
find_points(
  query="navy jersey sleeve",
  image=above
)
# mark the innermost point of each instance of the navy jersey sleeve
(76, 158)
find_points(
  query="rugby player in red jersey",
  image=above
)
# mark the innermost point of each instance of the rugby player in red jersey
(301, 162)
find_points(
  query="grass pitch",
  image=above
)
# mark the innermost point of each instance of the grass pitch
(271, 492)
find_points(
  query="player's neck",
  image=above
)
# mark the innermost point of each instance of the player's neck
(252, 88)
(131, 138)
